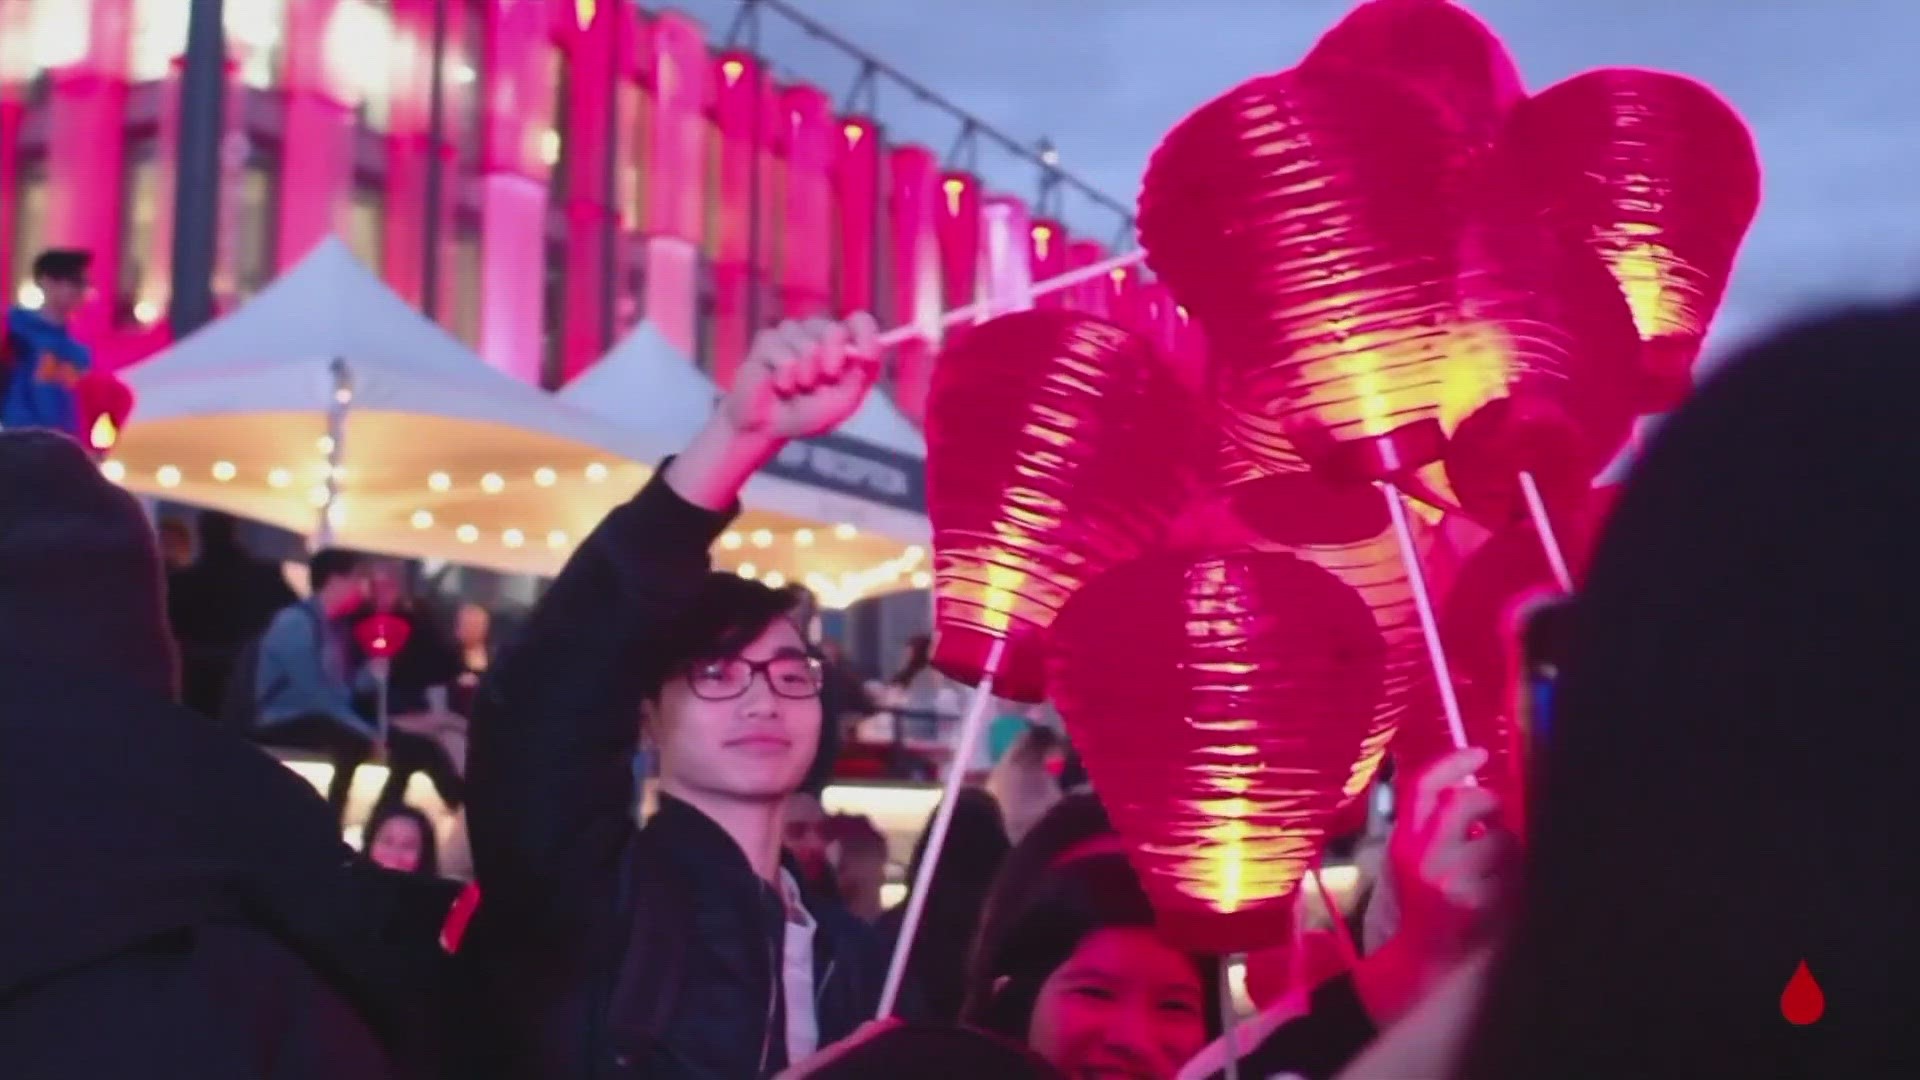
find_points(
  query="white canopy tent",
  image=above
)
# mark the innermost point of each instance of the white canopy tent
(327, 374)
(841, 546)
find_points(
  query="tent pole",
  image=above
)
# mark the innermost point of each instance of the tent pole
(337, 409)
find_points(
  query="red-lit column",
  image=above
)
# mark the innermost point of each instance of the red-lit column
(589, 201)
(86, 116)
(676, 176)
(739, 113)
(409, 149)
(316, 151)
(913, 222)
(1006, 270)
(856, 208)
(1089, 296)
(513, 187)
(813, 141)
(12, 106)
(1047, 258)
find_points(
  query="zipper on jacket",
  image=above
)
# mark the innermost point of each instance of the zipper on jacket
(776, 974)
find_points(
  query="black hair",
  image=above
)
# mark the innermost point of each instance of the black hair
(329, 563)
(1043, 903)
(218, 530)
(976, 848)
(724, 616)
(1725, 791)
(62, 264)
(919, 657)
(429, 845)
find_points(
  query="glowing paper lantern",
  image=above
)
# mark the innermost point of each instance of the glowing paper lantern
(1057, 446)
(1438, 48)
(1659, 175)
(1307, 220)
(1220, 707)
(383, 635)
(1544, 325)
(103, 403)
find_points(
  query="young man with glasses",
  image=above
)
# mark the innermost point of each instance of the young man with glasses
(684, 948)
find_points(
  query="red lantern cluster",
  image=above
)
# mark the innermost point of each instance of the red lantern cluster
(1387, 266)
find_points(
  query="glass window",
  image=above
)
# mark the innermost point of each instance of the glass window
(254, 226)
(359, 53)
(466, 287)
(553, 315)
(256, 35)
(465, 117)
(635, 125)
(366, 225)
(30, 226)
(553, 140)
(62, 32)
(139, 224)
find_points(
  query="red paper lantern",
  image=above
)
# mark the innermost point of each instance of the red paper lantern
(1222, 708)
(103, 403)
(1550, 333)
(1438, 48)
(1058, 446)
(383, 635)
(1659, 175)
(1308, 220)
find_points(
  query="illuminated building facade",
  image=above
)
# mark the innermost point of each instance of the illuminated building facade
(599, 164)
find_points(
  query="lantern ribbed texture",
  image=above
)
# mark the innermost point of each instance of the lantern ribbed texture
(1220, 706)
(1659, 175)
(1058, 446)
(1544, 323)
(1307, 221)
(1440, 49)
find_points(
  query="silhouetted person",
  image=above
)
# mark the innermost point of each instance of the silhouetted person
(218, 604)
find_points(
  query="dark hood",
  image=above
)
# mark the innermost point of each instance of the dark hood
(80, 576)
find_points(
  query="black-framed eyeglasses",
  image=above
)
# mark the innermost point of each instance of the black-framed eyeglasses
(789, 676)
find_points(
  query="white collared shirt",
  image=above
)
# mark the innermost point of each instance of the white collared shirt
(796, 974)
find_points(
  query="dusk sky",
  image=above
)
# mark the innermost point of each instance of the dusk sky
(1831, 88)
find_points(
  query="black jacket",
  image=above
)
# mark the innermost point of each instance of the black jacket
(173, 902)
(601, 949)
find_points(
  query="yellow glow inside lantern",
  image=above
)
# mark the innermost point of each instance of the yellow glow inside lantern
(105, 433)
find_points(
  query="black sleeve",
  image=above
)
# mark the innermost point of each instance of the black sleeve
(556, 724)
(1319, 1044)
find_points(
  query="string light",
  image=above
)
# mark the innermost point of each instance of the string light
(730, 541)
(762, 538)
(318, 495)
(467, 534)
(324, 444)
(493, 483)
(556, 540)
(845, 531)
(440, 482)
(775, 579)
(545, 477)
(921, 579)
(224, 471)
(423, 519)
(114, 471)
(168, 476)
(513, 538)
(279, 478)
(803, 538)
(748, 570)
(596, 472)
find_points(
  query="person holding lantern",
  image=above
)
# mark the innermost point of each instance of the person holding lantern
(46, 359)
(684, 948)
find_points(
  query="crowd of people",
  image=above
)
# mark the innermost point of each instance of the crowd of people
(1718, 802)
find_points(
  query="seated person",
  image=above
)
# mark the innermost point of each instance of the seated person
(303, 686)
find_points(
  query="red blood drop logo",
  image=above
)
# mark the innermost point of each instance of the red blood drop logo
(1802, 1002)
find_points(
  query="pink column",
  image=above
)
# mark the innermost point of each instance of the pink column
(86, 178)
(676, 176)
(913, 220)
(316, 155)
(806, 266)
(409, 150)
(856, 190)
(513, 188)
(11, 109)
(1005, 261)
(1089, 296)
(739, 113)
(1047, 256)
(589, 202)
